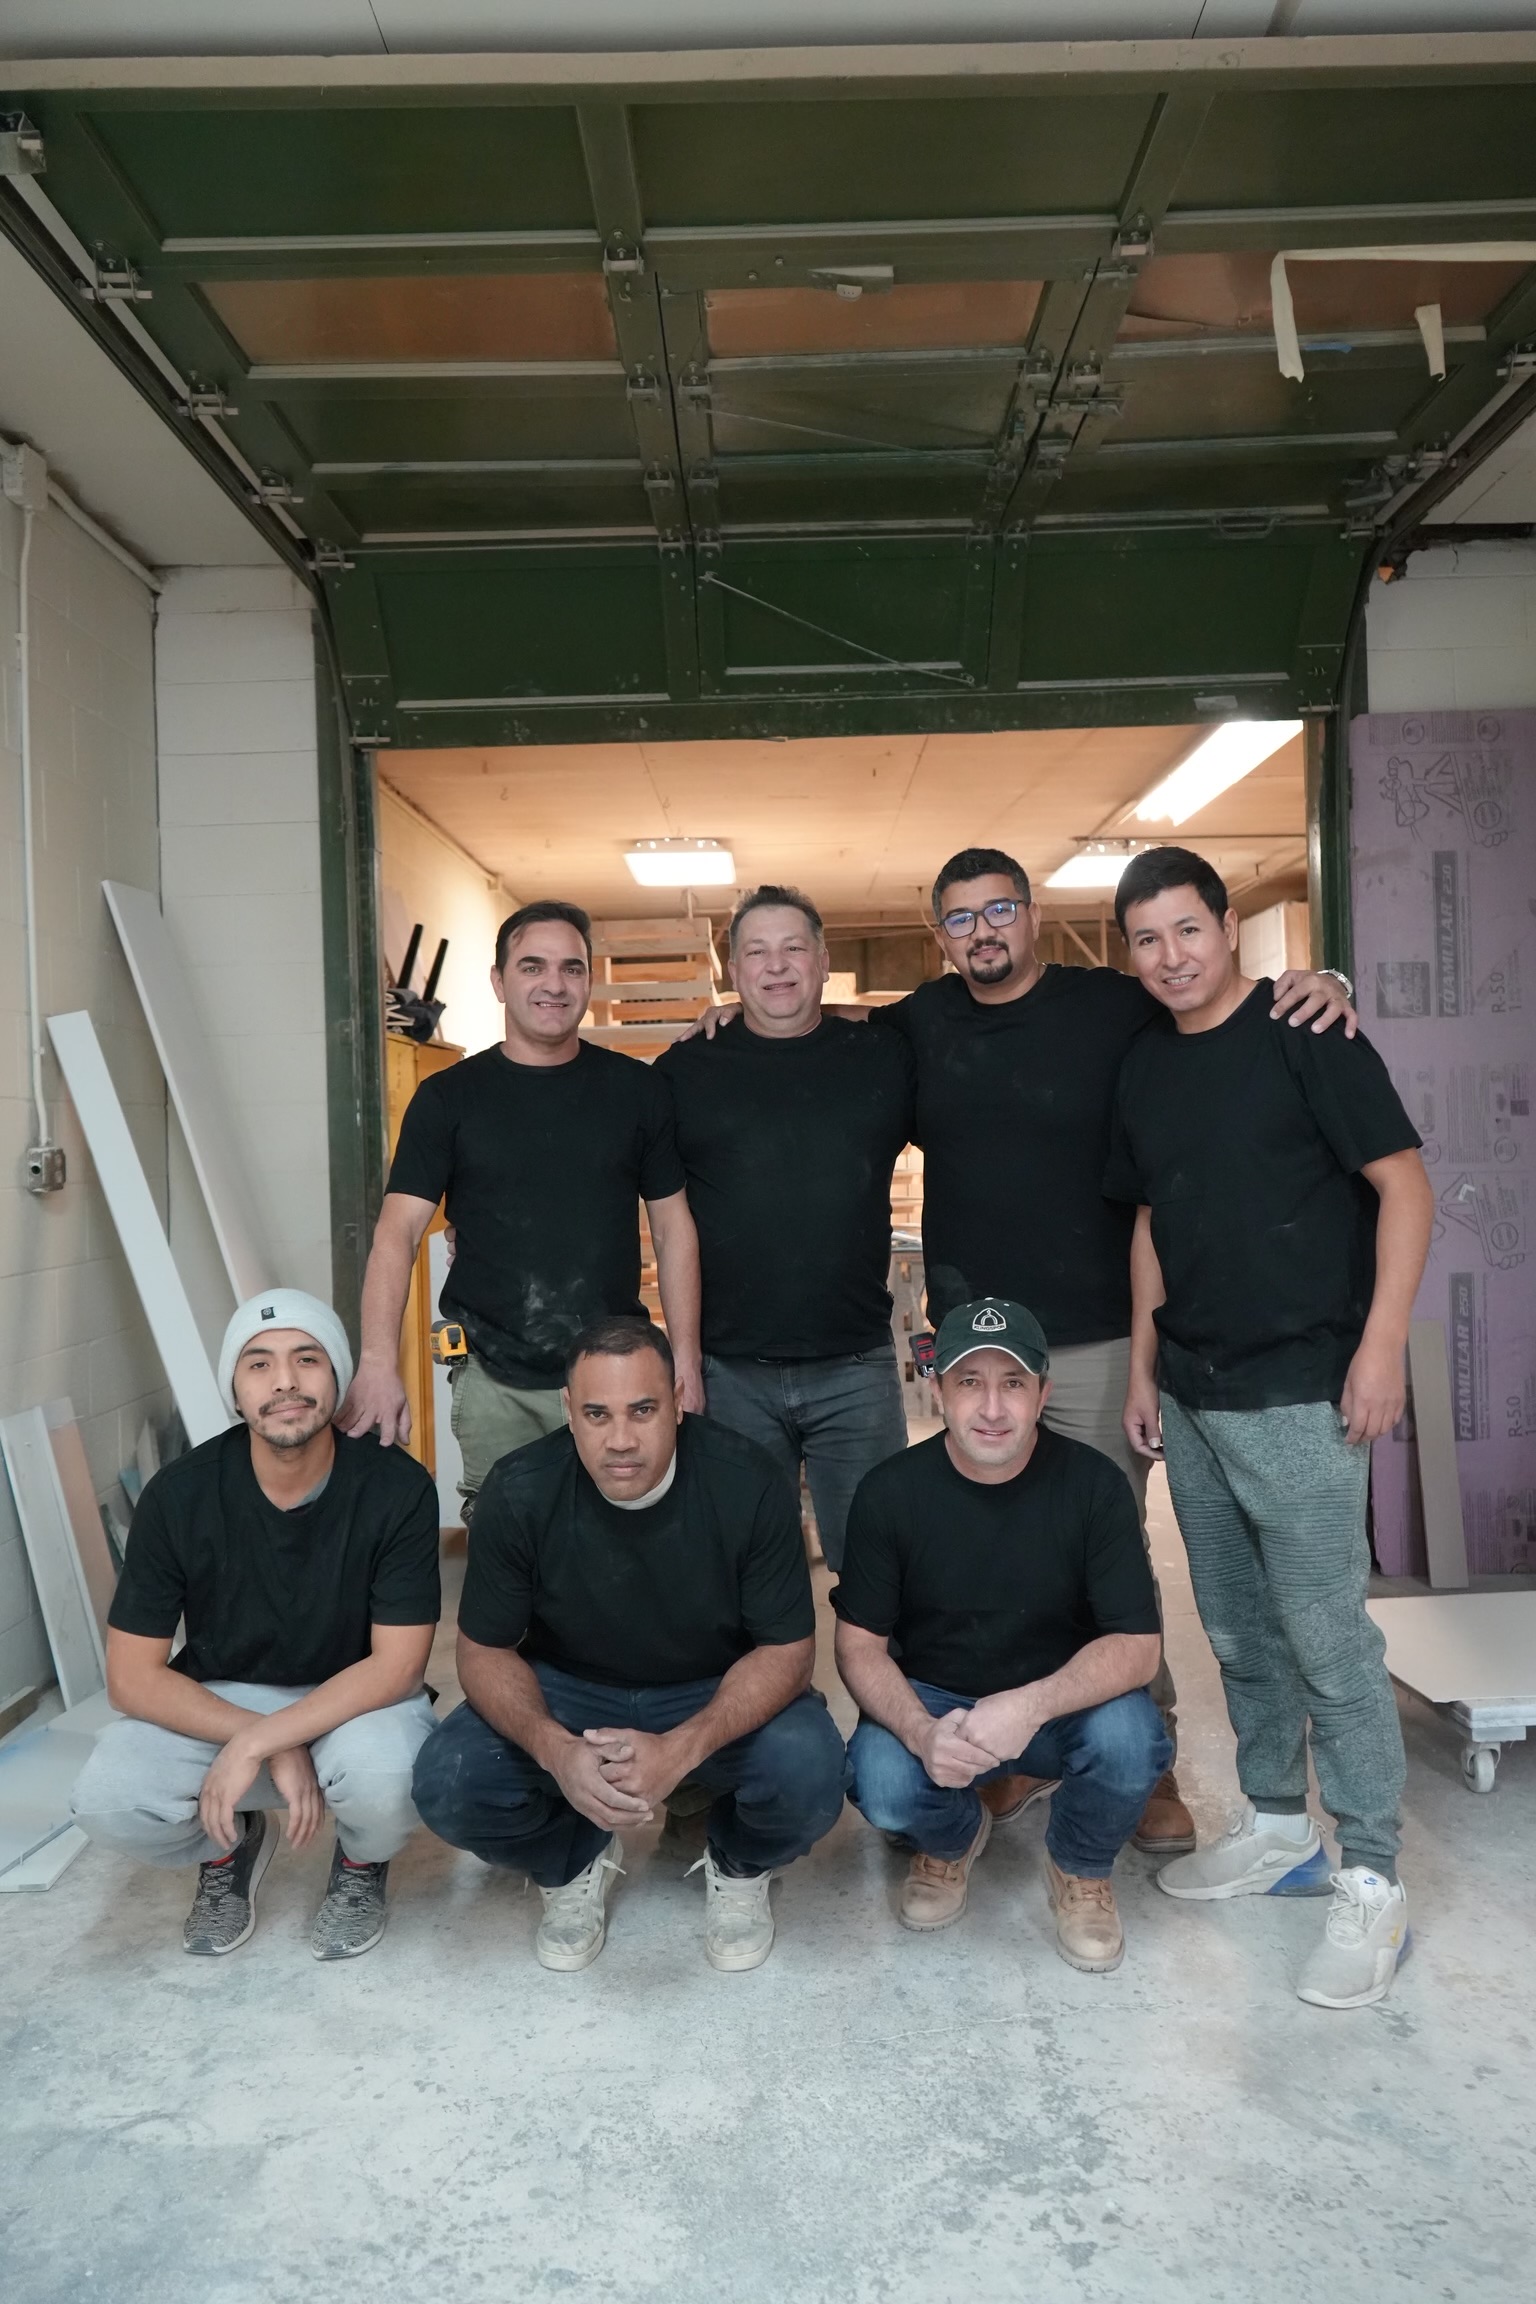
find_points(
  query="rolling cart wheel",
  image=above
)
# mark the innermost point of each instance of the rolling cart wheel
(1478, 1763)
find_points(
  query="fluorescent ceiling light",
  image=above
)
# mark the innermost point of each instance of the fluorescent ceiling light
(1221, 760)
(1089, 870)
(681, 863)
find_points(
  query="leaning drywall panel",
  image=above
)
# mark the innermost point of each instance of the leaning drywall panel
(1444, 849)
(187, 1062)
(43, 1511)
(139, 1229)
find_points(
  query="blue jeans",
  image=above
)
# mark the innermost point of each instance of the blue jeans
(779, 1789)
(841, 1417)
(1108, 1760)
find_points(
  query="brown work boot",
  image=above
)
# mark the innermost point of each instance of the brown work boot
(1167, 1827)
(1008, 1796)
(934, 1891)
(1088, 1930)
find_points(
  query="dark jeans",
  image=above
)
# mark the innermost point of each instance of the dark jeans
(840, 1417)
(779, 1789)
(1108, 1760)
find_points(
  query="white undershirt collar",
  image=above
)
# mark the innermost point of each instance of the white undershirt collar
(639, 1503)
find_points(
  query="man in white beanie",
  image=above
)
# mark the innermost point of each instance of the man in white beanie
(304, 1567)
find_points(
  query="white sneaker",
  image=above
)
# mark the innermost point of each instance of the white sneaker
(574, 1925)
(738, 1918)
(1366, 1936)
(1244, 1862)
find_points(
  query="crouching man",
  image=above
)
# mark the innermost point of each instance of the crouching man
(305, 1568)
(637, 1614)
(1007, 1565)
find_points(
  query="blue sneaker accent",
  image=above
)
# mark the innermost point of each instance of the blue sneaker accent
(1313, 1878)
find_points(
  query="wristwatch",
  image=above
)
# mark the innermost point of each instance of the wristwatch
(1339, 977)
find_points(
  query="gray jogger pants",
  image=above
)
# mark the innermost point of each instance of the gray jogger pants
(1271, 1504)
(139, 1790)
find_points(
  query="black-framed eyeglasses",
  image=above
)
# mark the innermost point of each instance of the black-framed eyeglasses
(1002, 913)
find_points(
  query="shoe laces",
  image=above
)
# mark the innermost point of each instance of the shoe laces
(354, 1884)
(584, 1889)
(1354, 1910)
(215, 1883)
(728, 1885)
(940, 1871)
(1081, 1891)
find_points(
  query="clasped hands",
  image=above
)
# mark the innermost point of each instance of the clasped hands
(617, 1776)
(961, 1745)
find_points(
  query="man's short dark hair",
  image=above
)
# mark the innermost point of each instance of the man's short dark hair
(529, 916)
(619, 1336)
(1157, 869)
(758, 899)
(979, 864)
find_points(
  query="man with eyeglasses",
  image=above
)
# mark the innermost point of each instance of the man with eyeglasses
(1017, 1062)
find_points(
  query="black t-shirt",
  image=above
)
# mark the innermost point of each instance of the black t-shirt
(788, 1147)
(980, 1587)
(543, 1168)
(279, 1598)
(678, 1591)
(1246, 1142)
(1013, 1115)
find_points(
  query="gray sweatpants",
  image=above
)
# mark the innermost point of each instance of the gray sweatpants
(139, 1790)
(1087, 1402)
(1271, 1503)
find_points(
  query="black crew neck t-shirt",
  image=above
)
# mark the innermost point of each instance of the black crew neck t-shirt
(542, 1168)
(678, 1591)
(1014, 1104)
(1246, 1141)
(281, 1599)
(788, 1147)
(982, 1588)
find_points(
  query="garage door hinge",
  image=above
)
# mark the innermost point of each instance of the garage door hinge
(115, 282)
(330, 556)
(21, 146)
(642, 386)
(207, 401)
(272, 488)
(1519, 362)
(695, 389)
(1134, 239)
(618, 256)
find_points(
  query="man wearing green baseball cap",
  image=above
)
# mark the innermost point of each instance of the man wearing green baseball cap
(1005, 1564)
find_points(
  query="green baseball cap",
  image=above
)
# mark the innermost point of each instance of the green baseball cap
(991, 1323)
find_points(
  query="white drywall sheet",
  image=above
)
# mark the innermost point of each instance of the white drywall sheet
(187, 1061)
(79, 1493)
(43, 1511)
(139, 1227)
(1463, 1647)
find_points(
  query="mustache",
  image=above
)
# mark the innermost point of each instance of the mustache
(289, 1400)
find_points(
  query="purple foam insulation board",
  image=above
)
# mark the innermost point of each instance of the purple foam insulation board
(1443, 835)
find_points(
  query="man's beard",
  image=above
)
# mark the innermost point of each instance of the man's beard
(983, 969)
(292, 1435)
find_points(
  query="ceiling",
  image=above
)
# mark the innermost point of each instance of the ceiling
(739, 394)
(862, 823)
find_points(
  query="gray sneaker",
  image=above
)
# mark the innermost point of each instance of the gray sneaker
(223, 1911)
(354, 1913)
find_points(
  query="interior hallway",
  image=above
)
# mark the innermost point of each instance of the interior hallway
(874, 2117)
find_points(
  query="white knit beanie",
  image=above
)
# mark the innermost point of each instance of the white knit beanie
(284, 1308)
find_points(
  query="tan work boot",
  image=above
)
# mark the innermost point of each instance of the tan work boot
(934, 1891)
(1167, 1827)
(1088, 1930)
(1008, 1796)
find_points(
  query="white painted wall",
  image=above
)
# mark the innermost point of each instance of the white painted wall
(69, 1316)
(240, 883)
(1455, 632)
(426, 876)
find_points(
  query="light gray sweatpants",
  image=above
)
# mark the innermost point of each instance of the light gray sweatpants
(1271, 1505)
(1087, 1402)
(139, 1790)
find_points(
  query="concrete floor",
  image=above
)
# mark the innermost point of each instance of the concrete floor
(874, 2117)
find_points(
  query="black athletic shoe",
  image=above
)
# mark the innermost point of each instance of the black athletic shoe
(354, 1914)
(223, 1911)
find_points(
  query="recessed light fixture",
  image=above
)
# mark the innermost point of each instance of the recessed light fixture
(681, 863)
(1218, 761)
(1098, 866)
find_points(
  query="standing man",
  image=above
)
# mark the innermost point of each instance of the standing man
(542, 1150)
(1283, 1217)
(1007, 1565)
(637, 1615)
(789, 1129)
(304, 1568)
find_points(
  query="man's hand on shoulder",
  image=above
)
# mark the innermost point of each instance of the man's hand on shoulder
(1305, 995)
(710, 1021)
(376, 1396)
(950, 1756)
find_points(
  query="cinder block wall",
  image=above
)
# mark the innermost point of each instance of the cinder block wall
(1456, 632)
(69, 1316)
(240, 881)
